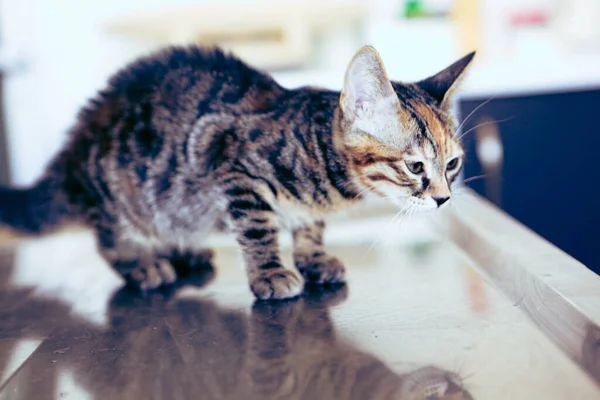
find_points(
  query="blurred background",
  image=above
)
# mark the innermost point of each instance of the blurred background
(529, 105)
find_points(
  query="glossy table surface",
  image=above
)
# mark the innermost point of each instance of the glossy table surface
(464, 305)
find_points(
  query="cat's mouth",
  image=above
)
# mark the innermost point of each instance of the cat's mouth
(413, 205)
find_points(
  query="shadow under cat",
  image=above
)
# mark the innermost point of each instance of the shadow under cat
(164, 347)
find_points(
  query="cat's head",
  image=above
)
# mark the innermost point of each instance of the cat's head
(401, 137)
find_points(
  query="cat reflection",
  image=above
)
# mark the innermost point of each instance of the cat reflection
(161, 347)
(192, 348)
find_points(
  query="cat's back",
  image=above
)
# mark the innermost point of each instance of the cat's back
(186, 82)
(157, 99)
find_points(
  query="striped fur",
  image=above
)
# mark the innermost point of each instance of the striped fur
(191, 138)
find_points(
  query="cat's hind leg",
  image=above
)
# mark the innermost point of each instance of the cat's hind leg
(149, 274)
(190, 261)
(139, 264)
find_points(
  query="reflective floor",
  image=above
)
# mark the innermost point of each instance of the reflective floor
(417, 320)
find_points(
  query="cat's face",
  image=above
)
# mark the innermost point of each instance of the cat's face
(401, 137)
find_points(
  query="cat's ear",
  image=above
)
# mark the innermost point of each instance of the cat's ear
(368, 96)
(443, 85)
(366, 84)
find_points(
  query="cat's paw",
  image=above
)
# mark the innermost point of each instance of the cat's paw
(277, 283)
(202, 259)
(322, 269)
(152, 275)
(189, 262)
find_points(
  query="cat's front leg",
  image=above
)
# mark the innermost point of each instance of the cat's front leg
(311, 259)
(253, 221)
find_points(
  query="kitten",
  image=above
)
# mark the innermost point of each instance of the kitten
(191, 138)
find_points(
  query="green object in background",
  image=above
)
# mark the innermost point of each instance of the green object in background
(421, 248)
(413, 9)
(420, 252)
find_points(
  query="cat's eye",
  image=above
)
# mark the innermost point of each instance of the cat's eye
(416, 167)
(452, 164)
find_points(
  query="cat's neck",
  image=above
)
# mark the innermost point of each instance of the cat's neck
(323, 117)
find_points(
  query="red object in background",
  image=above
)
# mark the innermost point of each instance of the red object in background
(529, 18)
(478, 299)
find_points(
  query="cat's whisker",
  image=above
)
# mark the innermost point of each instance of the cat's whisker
(373, 244)
(472, 113)
(389, 224)
(458, 189)
(483, 124)
(459, 366)
(474, 178)
(467, 376)
(398, 214)
(463, 199)
(383, 231)
(408, 211)
(462, 194)
(461, 202)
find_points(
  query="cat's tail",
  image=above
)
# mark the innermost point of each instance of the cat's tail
(34, 210)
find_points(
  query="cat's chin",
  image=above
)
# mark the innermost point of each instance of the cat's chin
(416, 207)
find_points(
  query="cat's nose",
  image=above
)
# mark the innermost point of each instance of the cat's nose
(441, 200)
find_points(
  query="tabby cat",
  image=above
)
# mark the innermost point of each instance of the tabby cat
(191, 138)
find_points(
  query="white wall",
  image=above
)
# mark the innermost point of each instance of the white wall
(68, 56)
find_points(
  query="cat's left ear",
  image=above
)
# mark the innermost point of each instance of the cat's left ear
(443, 85)
(367, 89)
(368, 100)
